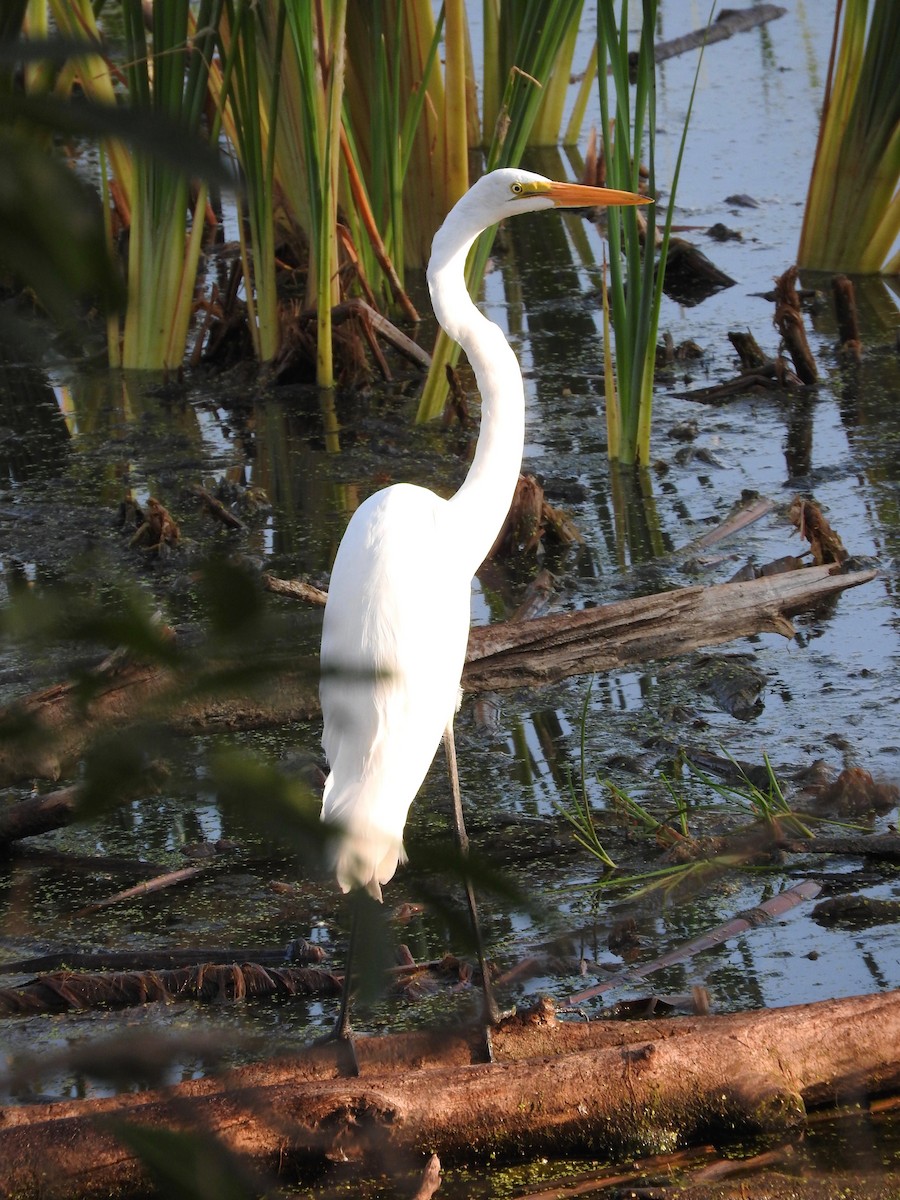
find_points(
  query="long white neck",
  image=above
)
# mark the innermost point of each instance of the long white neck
(482, 503)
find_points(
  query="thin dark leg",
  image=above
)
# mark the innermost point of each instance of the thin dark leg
(342, 1031)
(491, 1008)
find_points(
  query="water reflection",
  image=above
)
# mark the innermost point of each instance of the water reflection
(315, 458)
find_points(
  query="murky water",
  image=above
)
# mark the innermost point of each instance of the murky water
(74, 441)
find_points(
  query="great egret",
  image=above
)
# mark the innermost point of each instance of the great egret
(397, 617)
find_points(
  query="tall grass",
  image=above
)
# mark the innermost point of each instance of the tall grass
(95, 77)
(250, 80)
(330, 106)
(318, 40)
(392, 56)
(541, 31)
(636, 273)
(852, 217)
(167, 76)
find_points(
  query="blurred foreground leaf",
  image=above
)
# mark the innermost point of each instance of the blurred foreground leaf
(51, 230)
(188, 1166)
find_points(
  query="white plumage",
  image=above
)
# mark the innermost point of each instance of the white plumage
(397, 618)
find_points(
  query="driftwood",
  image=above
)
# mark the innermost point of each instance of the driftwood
(725, 26)
(789, 323)
(759, 373)
(177, 976)
(883, 847)
(850, 346)
(767, 910)
(37, 814)
(557, 1087)
(528, 653)
(505, 655)
(299, 951)
(68, 991)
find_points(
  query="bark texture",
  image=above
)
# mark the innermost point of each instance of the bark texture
(603, 1088)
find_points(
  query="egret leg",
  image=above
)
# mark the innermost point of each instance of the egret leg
(491, 1008)
(342, 1032)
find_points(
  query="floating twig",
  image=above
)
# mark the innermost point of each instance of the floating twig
(779, 904)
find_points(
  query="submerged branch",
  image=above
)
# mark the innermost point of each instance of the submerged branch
(728, 23)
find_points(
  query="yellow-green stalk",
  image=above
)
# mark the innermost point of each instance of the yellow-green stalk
(168, 79)
(636, 276)
(541, 30)
(852, 217)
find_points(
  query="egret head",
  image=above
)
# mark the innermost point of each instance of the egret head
(510, 190)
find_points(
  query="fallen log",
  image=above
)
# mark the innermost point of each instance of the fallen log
(726, 24)
(665, 625)
(507, 655)
(68, 991)
(37, 814)
(602, 1088)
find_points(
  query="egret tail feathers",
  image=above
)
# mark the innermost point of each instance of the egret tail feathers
(366, 852)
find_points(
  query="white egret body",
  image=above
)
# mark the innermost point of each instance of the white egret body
(397, 618)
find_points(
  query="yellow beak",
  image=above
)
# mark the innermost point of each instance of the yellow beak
(579, 195)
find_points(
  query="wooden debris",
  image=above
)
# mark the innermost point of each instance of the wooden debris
(883, 847)
(844, 293)
(146, 888)
(856, 912)
(530, 519)
(37, 814)
(789, 323)
(591, 1183)
(521, 532)
(559, 526)
(509, 654)
(384, 328)
(457, 406)
(592, 1087)
(216, 508)
(65, 991)
(158, 531)
(752, 358)
(537, 597)
(824, 543)
(211, 981)
(774, 907)
(854, 793)
(431, 1179)
(300, 951)
(299, 589)
(727, 23)
(745, 513)
(758, 373)
(532, 653)
(691, 276)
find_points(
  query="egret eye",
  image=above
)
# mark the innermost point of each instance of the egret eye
(516, 189)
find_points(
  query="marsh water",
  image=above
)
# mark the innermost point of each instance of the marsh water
(295, 465)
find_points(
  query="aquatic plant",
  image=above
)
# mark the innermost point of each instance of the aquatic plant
(167, 75)
(688, 855)
(249, 84)
(852, 217)
(290, 88)
(542, 28)
(631, 304)
(577, 811)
